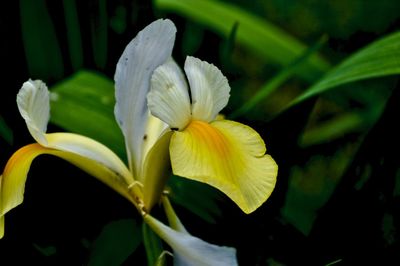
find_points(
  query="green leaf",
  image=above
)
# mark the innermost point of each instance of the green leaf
(153, 246)
(256, 34)
(381, 58)
(187, 193)
(5, 132)
(73, 33)
(45, 251)
(279, 79)
(333, 128)
(116, 242)
(312, 184)
(99, 32)
(41, 46)
(84, 104)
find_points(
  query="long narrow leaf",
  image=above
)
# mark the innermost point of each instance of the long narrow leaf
(41, 46)
(378, 59)
(275, 82)
(5, 132)
(99, 33)
(258, 35)
(73, 34)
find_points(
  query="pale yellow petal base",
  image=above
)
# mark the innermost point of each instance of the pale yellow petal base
(228, 156)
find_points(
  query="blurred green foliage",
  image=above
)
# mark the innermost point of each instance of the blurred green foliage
(325, 106)
(124, 234)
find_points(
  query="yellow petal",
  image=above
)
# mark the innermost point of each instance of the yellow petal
(1, 216)
(156, 171)
(16, 170)
(1, 227)
(90, 149)
(228, 156)
(154, 129)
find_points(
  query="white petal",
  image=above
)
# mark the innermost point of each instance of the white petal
(33, 104)
(190, 250)
(149, 49)
(209, 89)
(168, 98)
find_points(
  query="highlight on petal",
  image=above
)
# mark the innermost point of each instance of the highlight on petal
(16, 170)
(34, 106)
(168, 98)
(228, 156)
(148, 50)
(209, 89)
(190, 250)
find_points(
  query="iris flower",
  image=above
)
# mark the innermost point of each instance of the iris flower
(162, 125)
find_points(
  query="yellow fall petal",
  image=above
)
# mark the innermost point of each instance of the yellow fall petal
(16, 170)
(228, 156)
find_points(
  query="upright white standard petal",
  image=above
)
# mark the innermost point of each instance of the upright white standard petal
(209, 89)
(148, 50)
(168, 98)
(34, 106)
(190, 250)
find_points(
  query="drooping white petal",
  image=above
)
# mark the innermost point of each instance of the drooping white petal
(168, 98)
(34, 106)
(149, 49)
(33, 103)
(190, 250)
(209, 89)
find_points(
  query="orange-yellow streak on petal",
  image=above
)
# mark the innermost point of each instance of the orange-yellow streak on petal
(13, 179)
(228, 156)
